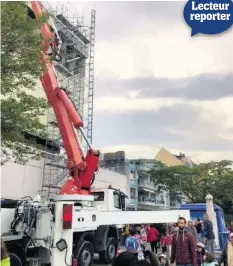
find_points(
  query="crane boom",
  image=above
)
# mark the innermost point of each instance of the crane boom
(81, 168)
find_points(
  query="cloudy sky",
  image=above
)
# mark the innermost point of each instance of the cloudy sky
(155, 86)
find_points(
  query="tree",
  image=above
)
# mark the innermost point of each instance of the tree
(20, 109)
(215, 178)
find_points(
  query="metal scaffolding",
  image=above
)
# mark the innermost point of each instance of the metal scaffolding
(76, 74)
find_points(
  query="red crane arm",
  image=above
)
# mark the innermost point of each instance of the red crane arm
(82, 169)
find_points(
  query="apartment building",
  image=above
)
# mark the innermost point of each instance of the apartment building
(116, 162)
(169, 159)
(133, 185)
(143, 194)
(149, 197)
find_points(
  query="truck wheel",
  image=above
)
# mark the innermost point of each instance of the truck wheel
(86, 254)
(15, 260)
(107, 256)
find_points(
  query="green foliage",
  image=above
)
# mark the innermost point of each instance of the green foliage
(215, 178)
(20, 72)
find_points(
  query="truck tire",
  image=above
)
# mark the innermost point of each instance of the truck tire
(85, 254)
(107, 256)
(15, 260)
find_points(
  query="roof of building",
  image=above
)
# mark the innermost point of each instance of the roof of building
(169, 159)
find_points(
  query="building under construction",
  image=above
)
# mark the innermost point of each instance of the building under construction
(75, 73)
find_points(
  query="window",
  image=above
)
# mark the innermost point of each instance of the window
(98, 196)
(117, 202)
(132, 193)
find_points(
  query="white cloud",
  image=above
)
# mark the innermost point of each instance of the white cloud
(125, 105)
(220, 107)
(205, 156)
(213, 123)
(158, 43)
(133, 151)
(170, 53)
(219, 111)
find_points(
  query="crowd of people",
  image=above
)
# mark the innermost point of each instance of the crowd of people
(184, 243)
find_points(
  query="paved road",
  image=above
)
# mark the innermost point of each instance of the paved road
(96, 264)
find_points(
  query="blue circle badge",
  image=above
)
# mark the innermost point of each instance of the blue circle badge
(208, 16)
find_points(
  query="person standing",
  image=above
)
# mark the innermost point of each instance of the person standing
(209, 234)
(152, 237)
(131, 242)
(126, 233)
(231, 227)
(163, 244)
(138, 235)
(143, 233)
(192, 230)
(198, 226)
(5, 258)
(227, 253)
(168, 243)
(200, 253)
(183, 246)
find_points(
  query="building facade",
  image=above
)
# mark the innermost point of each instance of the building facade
(117, 162)
(142, 193)
(149, 197)
(19, 180)
(133, 185)
(169, 159)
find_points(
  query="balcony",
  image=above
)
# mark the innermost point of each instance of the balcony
(145, 167)
(174, 205)
(132, 167)
(150, 204)
(147, 184)
(132, 202)
(133, 183)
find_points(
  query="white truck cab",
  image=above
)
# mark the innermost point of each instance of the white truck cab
(109, 199)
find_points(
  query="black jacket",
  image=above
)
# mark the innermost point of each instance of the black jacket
(208, 228)
(198, 227)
